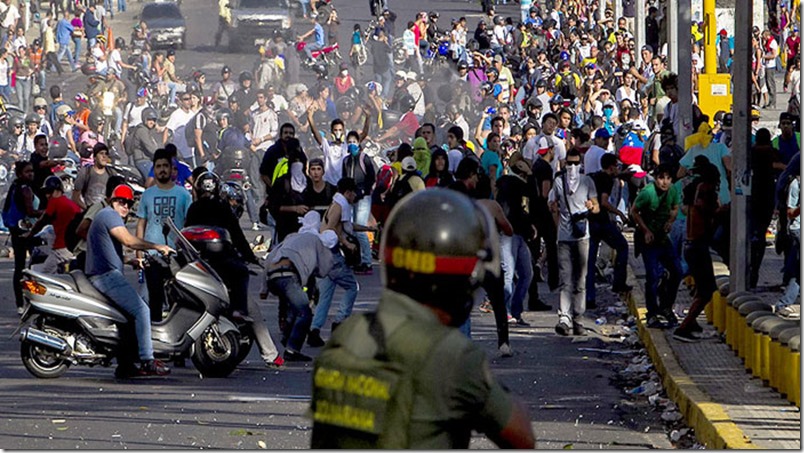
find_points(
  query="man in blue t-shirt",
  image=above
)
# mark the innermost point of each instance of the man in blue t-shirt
(105, 240)
(318, 33)
(158, 202)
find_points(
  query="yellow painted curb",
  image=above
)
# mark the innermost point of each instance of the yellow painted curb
(712, 424)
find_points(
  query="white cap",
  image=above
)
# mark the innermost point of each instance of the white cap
(408, 164)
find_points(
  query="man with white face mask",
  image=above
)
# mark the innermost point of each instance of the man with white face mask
(335, 149)
(572, 198)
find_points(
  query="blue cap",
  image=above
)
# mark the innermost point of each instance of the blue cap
(602, 133)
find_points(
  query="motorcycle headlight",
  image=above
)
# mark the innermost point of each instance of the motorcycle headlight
(286, 22)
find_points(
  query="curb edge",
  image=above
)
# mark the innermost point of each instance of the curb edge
(711, 422)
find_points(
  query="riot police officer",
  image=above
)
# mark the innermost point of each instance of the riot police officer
(430, 276)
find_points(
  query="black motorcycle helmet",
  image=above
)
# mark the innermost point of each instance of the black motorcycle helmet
(233, 194)
(32, 118)
(149, 114)
(52, 183)
(221, 114)
(95, 120)
(246, 75)
(57, 147)
(441, 265)
(406, 103)
(16, 120)
(207, 184)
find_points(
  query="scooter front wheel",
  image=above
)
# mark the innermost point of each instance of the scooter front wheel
(216, 354)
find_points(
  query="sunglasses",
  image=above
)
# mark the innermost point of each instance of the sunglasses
(185, 99)
(574, 162)
(40, 107)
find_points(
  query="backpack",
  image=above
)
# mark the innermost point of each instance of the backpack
(12, 214)
(366, 401)
(567, 88)
(400, 188)
(71, 238)
(128, 145)
(647, 152)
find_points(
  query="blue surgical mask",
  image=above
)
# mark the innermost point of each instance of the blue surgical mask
(353, 149)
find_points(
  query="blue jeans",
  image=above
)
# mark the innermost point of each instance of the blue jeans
(608, 233)
(115, 286)
(64, 49)
(173, 87)
(42, 80)
(77, 51)
(309, 48)
(304, 5)
(658, 258)
(107, 5)
(572, 266)
(361, 217)
(121, 6)
(5, 91)
(386, 79)
(678, 234)
(792, 258)
(251, 207)
(343, 276)
(24, 93)
(299, 316)
(516, 261)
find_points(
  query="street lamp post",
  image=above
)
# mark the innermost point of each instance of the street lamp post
(741, 142)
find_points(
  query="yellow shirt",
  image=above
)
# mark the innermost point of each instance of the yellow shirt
(224, 11)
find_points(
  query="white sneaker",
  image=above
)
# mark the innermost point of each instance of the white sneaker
(790, 312)
(255, 227)
(506, 351)
(20, 310)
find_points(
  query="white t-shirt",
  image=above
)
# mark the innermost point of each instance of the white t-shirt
(12, 16)
(178, 119)
(559, 149)
(114, 61)
(100, 66)
(134, 117)
(265, 123)
(774, 48)
(3, 72)
(333, 161)
(591, 160)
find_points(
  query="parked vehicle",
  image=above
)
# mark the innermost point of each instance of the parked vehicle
(253, 20)
(166, 23)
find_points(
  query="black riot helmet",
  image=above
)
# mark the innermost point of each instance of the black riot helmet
(444, 264)
(207, 185)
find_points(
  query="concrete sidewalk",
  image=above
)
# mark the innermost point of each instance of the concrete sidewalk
(727, 407)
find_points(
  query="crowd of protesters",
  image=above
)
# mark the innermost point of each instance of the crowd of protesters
(549, 116)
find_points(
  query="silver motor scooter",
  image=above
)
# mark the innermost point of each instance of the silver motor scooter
(68, 322)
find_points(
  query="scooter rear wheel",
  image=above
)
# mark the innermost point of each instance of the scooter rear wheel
(42, 362)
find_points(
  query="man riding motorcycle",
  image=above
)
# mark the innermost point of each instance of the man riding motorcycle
(208, 209)
(145, 140)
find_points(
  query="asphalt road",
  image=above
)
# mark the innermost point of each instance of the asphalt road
(572, 395)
